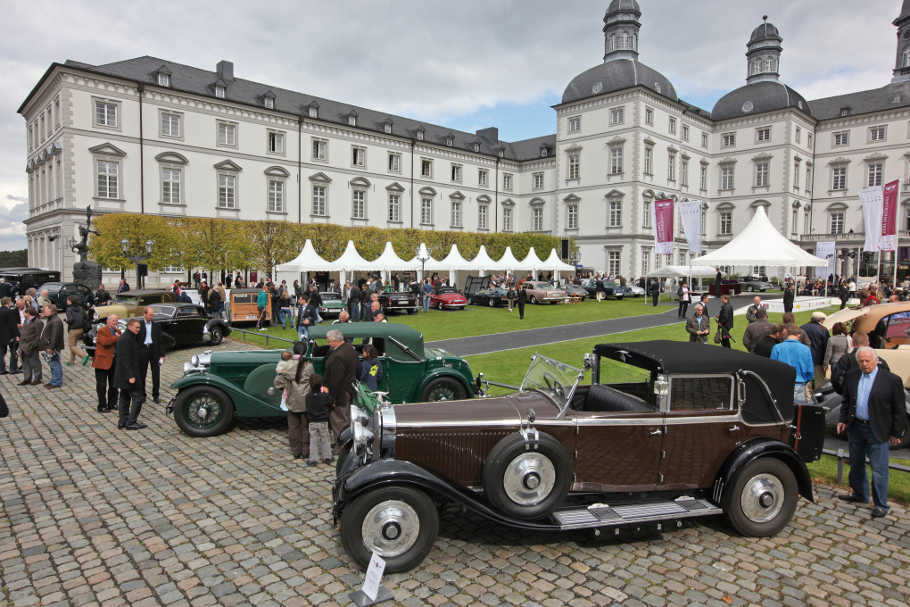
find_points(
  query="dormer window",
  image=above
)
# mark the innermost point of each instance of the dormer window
(352, 119)
(269, 103)
(476, 147)
(450, 141)
(164, 79)
(420, 134)
(220, 91)
(845, 111)
(387, 127)
(543, 152)
(313, 110)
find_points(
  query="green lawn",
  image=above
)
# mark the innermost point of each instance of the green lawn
(826, 469)
(478, 320)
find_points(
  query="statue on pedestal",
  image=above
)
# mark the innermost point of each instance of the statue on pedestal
(85, 272)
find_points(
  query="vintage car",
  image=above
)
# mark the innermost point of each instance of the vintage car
(680, 431)
(399, 301)
(447, 298)
(216, 387)
(610, 289)
(132, 303)
(540, 291)
(59, 292)
(635, 291)
(886, 324)
(491, 296)
(577, 292)
(22, 279)
(243, 307)
(332, 304)
(184, 324)
(754, 284)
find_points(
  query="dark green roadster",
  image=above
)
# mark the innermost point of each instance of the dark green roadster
(218, 387)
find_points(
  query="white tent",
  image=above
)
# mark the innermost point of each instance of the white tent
(685, 271)
(308, 261)
(531, 262)
(760, 244)
(554, 263)
(389, 261)
(483, 263)
(508, 262)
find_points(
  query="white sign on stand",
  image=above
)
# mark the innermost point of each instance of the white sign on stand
(372, 591)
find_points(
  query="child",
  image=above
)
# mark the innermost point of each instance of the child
(318, 406)
(370, 369)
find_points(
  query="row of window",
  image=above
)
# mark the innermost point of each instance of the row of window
(44, 125)
(874, 134)
(618, 118)
(874, 175)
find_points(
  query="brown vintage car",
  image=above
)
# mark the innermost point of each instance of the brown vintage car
(887, 324)
(664, 431)
(540, 291)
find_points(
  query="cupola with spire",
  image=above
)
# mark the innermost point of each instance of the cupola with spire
(763, 53)
(621, 26)
(902, 62)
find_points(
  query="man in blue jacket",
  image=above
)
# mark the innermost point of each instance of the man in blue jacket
(796, 354)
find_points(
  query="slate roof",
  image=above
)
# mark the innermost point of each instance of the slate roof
(758, 98)
(765, 31)
(198, 81)
(624, 5)
(617, 75)
(905, 12)
(889, 97)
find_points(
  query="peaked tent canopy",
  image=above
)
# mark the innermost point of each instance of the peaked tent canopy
(508, 261)
(451, 262)
(351, 261)
(483, 262)
(531, 261)
(760, 244)
(553, 262)
(308, 261)
(685, 271)
(391, 262)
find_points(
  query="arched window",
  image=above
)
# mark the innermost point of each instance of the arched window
(906, 62)
(612, 42)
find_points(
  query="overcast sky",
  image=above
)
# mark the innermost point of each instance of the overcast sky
(467, 64)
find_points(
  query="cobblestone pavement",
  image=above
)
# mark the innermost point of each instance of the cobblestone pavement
(96, 516)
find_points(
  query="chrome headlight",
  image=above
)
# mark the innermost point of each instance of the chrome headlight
(360, 430)
(195, 360)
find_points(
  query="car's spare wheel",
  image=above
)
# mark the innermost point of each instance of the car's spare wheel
(526, 479)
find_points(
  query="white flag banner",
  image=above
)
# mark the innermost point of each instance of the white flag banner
(690, 217)
(872, 198)
(826, 250)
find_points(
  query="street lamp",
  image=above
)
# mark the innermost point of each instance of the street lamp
(423, 255)
(137, 259)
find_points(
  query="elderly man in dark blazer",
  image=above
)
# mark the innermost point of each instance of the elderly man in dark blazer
(338, 378)
(874, 415)
(128, 377)
(153, 343)
(699, 325)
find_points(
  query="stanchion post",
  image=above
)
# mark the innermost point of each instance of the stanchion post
(840, 466)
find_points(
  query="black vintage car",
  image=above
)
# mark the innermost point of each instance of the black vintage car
(399, 301)
(664, 431)
(185, 323)
(610, 289)
(58, 292)
(22, 279)
(491, 296)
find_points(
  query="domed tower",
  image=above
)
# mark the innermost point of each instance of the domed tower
(621, 26)
(763, 53)
(902, 63)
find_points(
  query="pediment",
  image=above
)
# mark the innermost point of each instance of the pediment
(277, 171)
(320, 177)
(227, 165)
(456, 195)
(427, 191)
(360, 182)
(483, 199)
(760, 203)
(172, 158)
(614, 193)
(108, 149)
(571, 199)
(395, 187)
(508, 202)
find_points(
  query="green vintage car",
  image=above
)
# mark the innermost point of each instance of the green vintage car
(218, 387)
(332, 304)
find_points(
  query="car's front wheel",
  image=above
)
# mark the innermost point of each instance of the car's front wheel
(444, 388)
(203, 411)
(397, 523)
(762, 499)
(217, 335)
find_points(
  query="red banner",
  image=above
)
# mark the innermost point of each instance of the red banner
(889, 216)
(663, 226)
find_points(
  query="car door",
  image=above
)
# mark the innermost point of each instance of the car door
(190, 324)
(702, 429)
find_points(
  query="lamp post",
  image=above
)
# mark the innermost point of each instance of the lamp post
(423, 255)
(137, 259)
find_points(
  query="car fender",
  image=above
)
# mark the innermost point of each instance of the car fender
(399, 472)
(244, 404)
(217, 322)
(444, 372)
(754, 449)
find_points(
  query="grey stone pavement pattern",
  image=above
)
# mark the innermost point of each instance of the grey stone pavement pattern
(485, 344)
(96, 516)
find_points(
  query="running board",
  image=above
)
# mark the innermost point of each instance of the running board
(603, 515)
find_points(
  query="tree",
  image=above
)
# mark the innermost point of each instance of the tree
(271, 243)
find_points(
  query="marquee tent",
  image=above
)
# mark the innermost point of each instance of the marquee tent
(554, 263)
(760, 244)
(308, 261)
(685, 271)
(531, 261)
(508, 262)
(483, 263)
(389, 261)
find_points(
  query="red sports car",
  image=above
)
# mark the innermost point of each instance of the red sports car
(448, 298)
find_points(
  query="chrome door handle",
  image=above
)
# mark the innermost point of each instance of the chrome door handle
(656, 433)
(734, 428)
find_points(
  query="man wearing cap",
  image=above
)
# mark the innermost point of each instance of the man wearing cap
(818, 342)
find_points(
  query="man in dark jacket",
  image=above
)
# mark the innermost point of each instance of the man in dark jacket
(847, 363)
(789, 295)
(29, 336)
(654, 291)
(306, 317)
(128, 376)
(725, 320)
(522, 300)
(354, 303)
(843, 293)
(338, 379)
(757, 330)
(51, 341)
(153, 344)
(818, 342)
(9, 336)
(215, 303)
(874, 416)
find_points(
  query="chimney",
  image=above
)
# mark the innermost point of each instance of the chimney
(491, 134)
(225, 70)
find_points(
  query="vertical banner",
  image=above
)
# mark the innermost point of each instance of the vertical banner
(827, 251)
(871, 198)
(888, 240)
(690, 217)
(663, 226)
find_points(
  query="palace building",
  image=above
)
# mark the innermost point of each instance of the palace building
(149, 135)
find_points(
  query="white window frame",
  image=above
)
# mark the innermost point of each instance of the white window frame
(671, 125)
(685, 132)
(876, 172)
(483, 178)
(227, 190)
(574, 124)
(456, 209)
(617, 115)
(671, 166)
(275, 142)
(840, 138)
(728, 140)
(574, 166)
(704, 140)
(275, 195)
(319, 203)
(646, 214)
(394, 163)
(107, 171)
(684, 172)
(168, 122)
(836, 222)
(537, 219)
(268, 103)
(319, 149)
(507, 181)
(169, 193)
(394, 208)
(838, 178)
(359, 204)
(572, 216)
(878, 133)
(164, 79)
(358, 157)
(763, 134)
(703, 177)
(456, 173)
(798, 135)
(426, 168)
(483, 217)
(648, 165)
(106, 113)
(616, 160)
(725, 223)
(537, 181)
(614, 213)
(223, 128)
(614, 263)
(727, 177)
(762, 173)
(649, 116)
(426, 211)
(220, 91)
(508, 219)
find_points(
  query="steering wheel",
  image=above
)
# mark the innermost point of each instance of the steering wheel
(553, 384)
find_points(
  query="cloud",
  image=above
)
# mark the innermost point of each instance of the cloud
(438, 60)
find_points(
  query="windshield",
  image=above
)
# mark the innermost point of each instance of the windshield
(128, 300)
(551, 377)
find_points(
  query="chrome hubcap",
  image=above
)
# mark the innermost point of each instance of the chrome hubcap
(762, 498)
(203, 410)
(390, 528)
(529, 478)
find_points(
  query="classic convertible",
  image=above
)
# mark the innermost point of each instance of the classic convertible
(447, 298)
(491, 296)
(217, 387)
(680, 431)
(184, 325)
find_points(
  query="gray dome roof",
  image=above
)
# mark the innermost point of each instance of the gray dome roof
(766, 31)
(626, 6)
(758, 98)
(905, 12)
(617, 75)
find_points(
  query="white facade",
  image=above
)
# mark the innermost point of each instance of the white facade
(121, 143)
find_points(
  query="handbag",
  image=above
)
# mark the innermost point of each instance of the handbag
(717, 335)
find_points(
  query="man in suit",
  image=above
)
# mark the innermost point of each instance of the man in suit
(9, 336)
(105, 342)
(152, 349)
(725, 320)
(874, 415)
(757, 330)
(522, 300)
(128, 376)
(698, 325)
(51, 341)
(339, 375)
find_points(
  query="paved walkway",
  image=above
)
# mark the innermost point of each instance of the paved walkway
(96, 516)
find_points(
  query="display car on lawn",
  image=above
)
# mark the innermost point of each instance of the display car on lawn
(447, 298)
(182, 324)
(665, 431)
(491, 296)
(576, 292)
(332, 304)
(754, 284)
(887, 324)
(132, 303)
(218, 387)
(611, 289)
(540, 291)
(399, 301)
